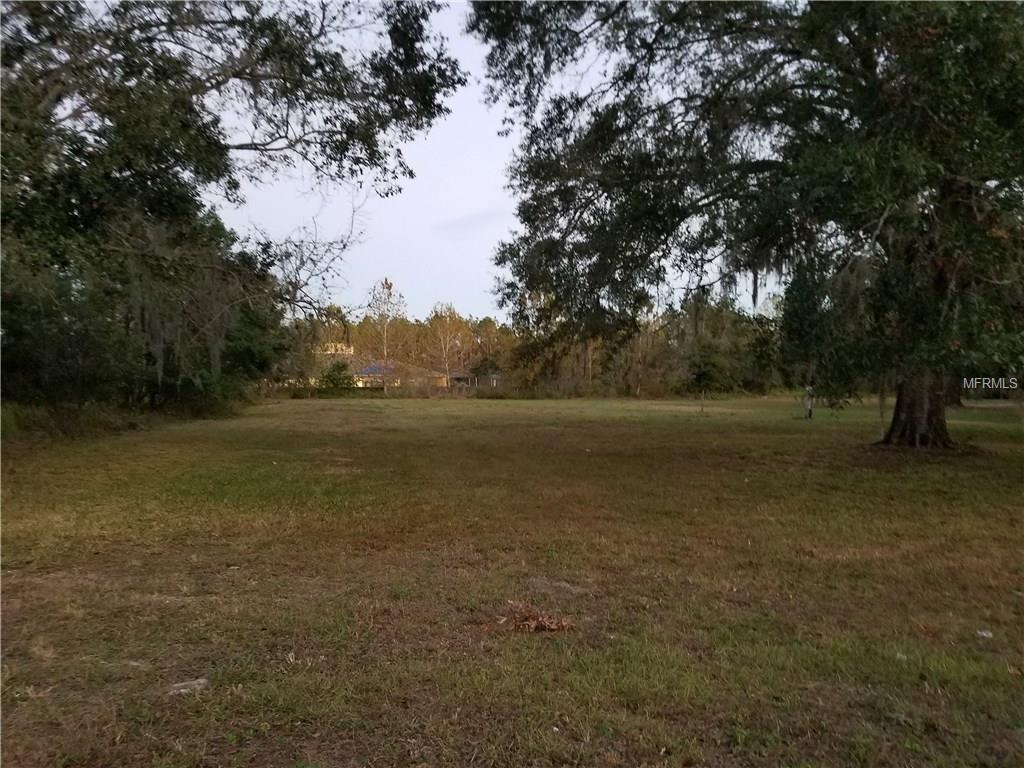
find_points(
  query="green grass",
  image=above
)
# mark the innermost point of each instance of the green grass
(745, 588)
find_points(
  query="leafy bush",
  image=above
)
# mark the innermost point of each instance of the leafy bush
(336, 378)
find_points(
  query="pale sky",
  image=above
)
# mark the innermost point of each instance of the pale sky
(435, 240)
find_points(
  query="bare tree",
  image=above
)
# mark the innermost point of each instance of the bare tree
(446, 329)
(383, 307)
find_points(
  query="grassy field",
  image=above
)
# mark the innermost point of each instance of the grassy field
(741, 588)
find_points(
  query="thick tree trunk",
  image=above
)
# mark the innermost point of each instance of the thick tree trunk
(919, 418)
(953, 391)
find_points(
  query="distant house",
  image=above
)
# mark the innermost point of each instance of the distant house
(335, 348)
(375, 374)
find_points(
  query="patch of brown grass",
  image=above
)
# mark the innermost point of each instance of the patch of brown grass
(523, 617)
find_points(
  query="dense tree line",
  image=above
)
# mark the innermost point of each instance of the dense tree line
(120, 282)
(707, 345)
(445, 342)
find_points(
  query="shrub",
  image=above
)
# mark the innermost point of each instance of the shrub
(336, 378)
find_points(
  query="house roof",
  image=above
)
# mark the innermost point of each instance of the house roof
(378, 368)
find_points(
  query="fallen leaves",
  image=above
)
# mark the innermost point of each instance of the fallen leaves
(189, 686)
(523, 617)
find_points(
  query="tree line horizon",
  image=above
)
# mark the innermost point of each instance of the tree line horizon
(704, 344)
(867, 155)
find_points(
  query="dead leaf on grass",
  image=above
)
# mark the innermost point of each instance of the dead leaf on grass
(189, 686)
(523, 617)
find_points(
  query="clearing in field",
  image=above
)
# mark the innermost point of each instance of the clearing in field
(512, 583)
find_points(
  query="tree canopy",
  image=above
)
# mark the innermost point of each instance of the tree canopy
(119, 120)
(880, 142)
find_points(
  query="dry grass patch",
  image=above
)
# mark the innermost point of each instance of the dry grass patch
(732, 588)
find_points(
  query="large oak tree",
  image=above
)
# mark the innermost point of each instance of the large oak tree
(882, 143)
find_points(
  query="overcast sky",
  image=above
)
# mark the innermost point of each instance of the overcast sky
(435, 240)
